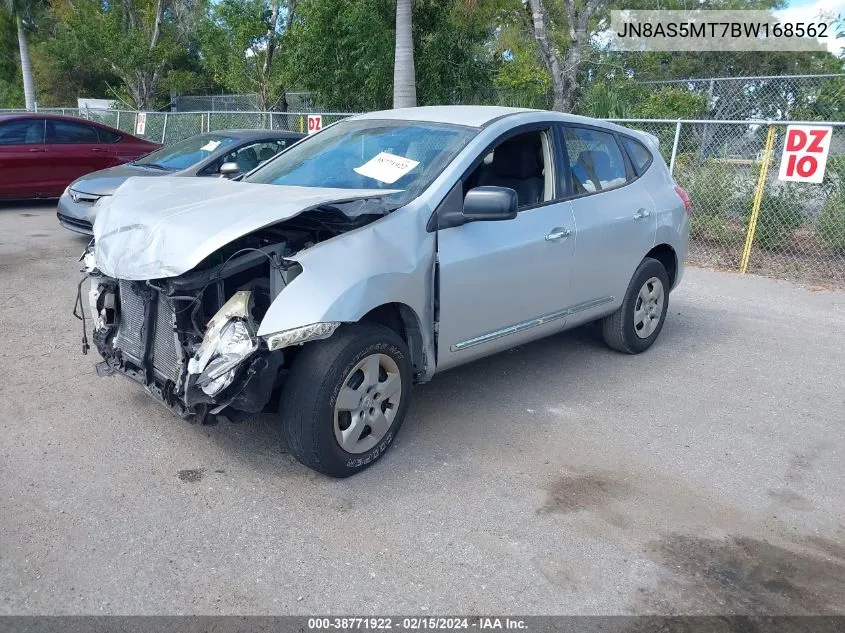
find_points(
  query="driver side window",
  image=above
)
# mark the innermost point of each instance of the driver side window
(522, 163)
(247, 157)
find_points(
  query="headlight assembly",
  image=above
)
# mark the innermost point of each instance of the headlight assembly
(229, 340)
(298, 335)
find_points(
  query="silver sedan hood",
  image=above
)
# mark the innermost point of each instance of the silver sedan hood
(162, 227)
(105, 181)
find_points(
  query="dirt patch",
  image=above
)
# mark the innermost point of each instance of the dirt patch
(192, 475)
(820, 269)
(741, 575)
(573, 493)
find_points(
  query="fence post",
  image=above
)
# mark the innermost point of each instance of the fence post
(675, 147)
(164, 128)
(758, 199)
(301, 124)
(117, 124)
(270, 115)
(208, 123)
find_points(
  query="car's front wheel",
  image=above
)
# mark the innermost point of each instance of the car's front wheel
(635, 326)
(345, 398)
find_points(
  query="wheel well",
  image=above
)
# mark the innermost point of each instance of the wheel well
(665, 254)
(403, 320)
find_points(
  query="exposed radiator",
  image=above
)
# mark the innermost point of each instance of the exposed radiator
(165, 358)
(164, 354)
(128, 336)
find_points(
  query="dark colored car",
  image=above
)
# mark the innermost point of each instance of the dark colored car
(199, 155)
(40, 154)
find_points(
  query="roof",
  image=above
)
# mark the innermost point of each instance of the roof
(44, 115)
(469, 115)
(259, 133)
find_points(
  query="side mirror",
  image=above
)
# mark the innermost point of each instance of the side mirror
(229, 170)
(490, 203)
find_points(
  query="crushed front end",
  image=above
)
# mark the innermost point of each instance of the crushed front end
(191, 340)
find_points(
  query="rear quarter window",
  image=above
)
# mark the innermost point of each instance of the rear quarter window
(640, 157)
(107, 136)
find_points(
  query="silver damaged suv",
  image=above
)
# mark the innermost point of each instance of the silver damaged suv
(375, 253)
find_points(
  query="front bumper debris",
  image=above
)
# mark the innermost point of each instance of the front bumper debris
(148, 336)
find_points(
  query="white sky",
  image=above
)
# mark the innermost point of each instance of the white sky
(808, 10)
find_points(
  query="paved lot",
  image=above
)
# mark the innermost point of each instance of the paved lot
(705, 476)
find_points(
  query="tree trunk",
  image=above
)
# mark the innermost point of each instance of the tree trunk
(563, 71)
(549, 54)
(157, 24)
(26, 66)
(404, 78)
(271, 39)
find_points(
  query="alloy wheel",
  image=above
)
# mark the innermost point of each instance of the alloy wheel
(367, 403)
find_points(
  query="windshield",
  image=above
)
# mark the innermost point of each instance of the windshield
(369, 154)
(185, 153)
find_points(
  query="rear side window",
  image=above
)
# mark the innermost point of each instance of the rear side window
(640, 156)
(68, 132)
(22, 132)
(107, 136)
(595, 160)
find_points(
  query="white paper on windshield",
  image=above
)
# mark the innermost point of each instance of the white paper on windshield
(386, 168)
(210, 146)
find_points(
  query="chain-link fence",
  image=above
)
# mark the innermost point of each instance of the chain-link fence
(777, 97)
(798, 228)
(293, 101)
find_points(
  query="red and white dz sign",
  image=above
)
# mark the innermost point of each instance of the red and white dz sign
(805, 153)
(315, 123)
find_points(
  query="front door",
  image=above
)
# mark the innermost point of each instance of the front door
(502, 283)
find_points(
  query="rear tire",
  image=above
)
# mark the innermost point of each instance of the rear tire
(352, 388)
(635, 326)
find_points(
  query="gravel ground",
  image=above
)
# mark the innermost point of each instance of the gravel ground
(705, 476)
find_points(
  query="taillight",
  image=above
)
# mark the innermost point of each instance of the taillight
(685, 197)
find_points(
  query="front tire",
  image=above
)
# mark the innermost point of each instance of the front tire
(635, 326)
(345, 398)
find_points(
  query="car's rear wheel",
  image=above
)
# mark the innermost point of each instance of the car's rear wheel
(635, 326)
(345, 399)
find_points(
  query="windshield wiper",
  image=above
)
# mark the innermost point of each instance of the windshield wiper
(152, 166)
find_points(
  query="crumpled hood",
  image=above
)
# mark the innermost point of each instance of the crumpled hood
(105, 181)
(162, 227)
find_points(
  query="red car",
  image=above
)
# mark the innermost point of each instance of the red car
(41, 154)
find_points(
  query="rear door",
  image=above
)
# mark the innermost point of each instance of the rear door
(614, 215)
(23, 158)
(75, 150)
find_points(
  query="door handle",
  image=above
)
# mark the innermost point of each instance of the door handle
(558, 233)
(96, 149)
(36, 149)
(641, 214)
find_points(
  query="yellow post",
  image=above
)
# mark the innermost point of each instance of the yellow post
(301, 124)
(758, 199)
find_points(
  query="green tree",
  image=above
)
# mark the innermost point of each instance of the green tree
(342, 51)
(11, 91)
(239, 41)
(138, 42)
